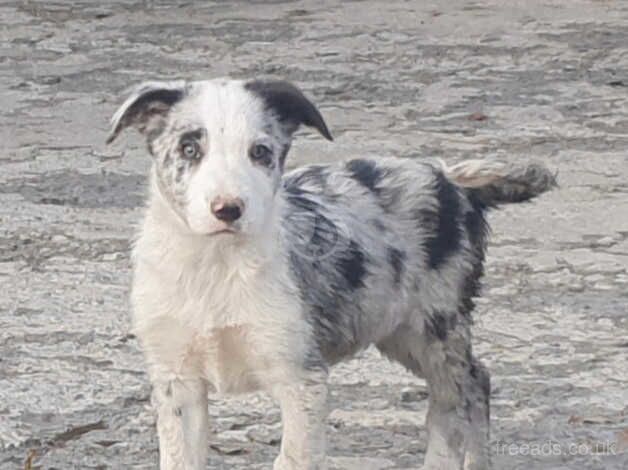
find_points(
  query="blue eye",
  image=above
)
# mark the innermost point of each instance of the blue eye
(190, 150)
(261, 154)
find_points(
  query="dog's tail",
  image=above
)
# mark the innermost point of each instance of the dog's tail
(493, 183)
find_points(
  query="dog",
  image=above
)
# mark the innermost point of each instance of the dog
(246, 278)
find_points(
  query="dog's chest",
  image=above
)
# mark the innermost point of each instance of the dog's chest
(230, 330)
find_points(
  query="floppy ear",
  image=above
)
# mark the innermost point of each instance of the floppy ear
(146, 107)
(289, 104)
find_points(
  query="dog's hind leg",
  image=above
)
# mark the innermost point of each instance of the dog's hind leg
(459, 389)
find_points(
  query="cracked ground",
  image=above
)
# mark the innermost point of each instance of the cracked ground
(510, 80)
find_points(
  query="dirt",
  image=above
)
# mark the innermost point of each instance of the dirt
(513, 80)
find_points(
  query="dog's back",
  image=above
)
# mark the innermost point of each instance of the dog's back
(379, 244)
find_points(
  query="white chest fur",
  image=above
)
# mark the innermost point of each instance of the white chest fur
(232, 320)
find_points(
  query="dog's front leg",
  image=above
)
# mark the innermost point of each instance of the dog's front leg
(304, 413)
(182, 423)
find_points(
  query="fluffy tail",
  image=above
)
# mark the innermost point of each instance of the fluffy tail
(494, 183)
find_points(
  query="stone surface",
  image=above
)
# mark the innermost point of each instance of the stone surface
(517, 80)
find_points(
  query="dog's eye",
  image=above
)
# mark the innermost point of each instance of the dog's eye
(261, 154)
(190, 150)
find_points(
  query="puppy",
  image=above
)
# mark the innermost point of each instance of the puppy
(246, 278)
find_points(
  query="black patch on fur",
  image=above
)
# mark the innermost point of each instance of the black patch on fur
(289, 105)
(196, 134)
(438, 325)
(164, 96)
(475, 223)
(351, 264)
(481, 377)
(365, 172)
(396, 258)
(477, 230)
(442, 226)
(370, 175)
(379, 225)
(468, 406)
(282, 156)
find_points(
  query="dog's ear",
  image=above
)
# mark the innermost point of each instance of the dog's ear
(146, 106)
(289, 105)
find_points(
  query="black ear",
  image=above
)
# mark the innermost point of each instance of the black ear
(147, 103)
(289, 104)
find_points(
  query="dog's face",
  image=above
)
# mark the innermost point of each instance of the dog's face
(219, 146)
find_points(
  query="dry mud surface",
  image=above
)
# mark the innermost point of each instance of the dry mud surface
(513, 80)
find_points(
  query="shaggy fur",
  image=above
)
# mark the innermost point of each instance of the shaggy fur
(303, 269)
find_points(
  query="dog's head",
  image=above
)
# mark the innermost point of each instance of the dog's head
(218, 146)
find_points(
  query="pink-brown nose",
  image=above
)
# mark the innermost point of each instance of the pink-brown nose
(227, 210)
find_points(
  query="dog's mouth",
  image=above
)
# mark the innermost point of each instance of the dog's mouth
(223, 231)
(217, 230)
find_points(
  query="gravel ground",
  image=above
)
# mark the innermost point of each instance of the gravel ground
(514, 80)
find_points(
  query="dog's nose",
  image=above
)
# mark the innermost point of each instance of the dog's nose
(227, 210)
